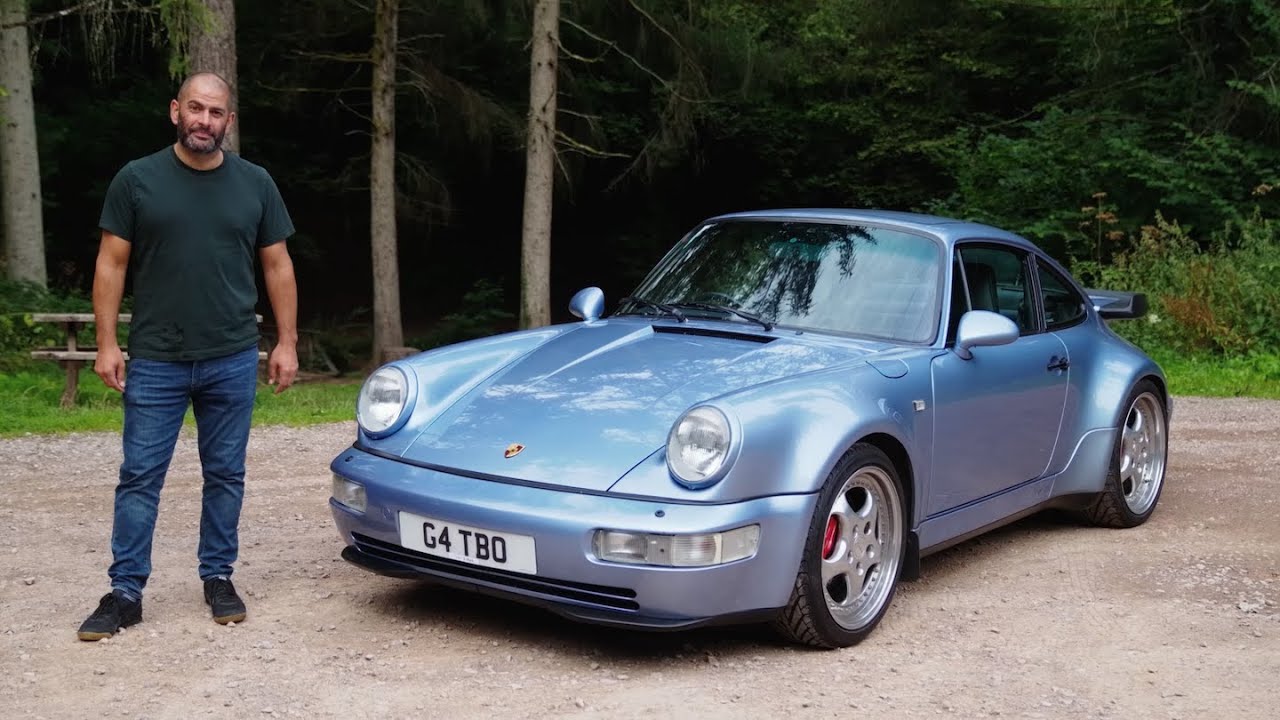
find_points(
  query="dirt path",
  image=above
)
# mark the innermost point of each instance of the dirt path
(1177, 619)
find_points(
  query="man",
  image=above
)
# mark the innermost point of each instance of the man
(187, 221)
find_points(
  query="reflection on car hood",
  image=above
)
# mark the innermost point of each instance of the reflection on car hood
(590, 404)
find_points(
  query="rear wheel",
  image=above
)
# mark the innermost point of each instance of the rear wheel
(1136, 475)
(852, 556)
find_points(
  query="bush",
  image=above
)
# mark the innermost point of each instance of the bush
(19, 333)
(1222, 297)
(480, 315)
(348, 345)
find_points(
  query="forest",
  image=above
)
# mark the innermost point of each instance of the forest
(1138, 141)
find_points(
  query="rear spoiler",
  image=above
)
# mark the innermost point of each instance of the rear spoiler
(1117, 305)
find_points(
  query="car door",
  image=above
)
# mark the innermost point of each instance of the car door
(997, 414)
(1064, 311)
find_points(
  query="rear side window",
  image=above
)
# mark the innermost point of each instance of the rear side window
(1063, 306)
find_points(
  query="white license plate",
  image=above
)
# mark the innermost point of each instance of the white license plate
(477, 546)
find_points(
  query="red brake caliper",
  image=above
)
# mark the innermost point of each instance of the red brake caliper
(829, 540)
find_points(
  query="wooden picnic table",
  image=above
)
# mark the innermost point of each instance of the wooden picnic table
(71, 356)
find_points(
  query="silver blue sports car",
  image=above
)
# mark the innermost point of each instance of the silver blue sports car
(790, 411)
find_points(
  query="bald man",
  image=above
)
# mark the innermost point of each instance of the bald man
(187, 223)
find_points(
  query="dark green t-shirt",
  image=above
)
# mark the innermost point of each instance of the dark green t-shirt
(193, 235)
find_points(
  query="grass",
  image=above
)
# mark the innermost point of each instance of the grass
(1248, 376)
(30, 391)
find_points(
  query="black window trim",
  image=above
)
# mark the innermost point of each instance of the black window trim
(1028, 258)
(1066, 283)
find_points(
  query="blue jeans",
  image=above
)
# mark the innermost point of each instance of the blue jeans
(221, 393)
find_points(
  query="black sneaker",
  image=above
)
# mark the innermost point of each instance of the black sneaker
(220, 595)
(114, 612)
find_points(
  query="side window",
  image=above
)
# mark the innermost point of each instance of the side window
(997, 280)
(1063, 306)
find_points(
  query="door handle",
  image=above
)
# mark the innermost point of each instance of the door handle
(1058, 363)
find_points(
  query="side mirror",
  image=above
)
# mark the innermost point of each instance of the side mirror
(981, 328)
(588, 304)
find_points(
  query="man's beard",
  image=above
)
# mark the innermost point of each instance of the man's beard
(186, 133)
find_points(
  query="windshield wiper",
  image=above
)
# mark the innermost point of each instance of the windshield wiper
(660, 307)
(732, 311)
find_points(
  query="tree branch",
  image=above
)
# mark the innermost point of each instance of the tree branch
(589, 118)
(424, 36)
(278, 88)
(658, 25)
(337, 57)
(57, 15)
(585, 149)
(1069, 95)
(611, 45)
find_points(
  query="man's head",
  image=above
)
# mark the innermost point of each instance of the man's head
(202, 112)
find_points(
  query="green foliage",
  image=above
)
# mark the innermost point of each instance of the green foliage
(179, 20)
(480, 314)
(308, 403)
(30, 397)
(1013, 112)
(19, 333)
(1255, 375)
(1220, 297)
(1030, 183)
(348, 345)
(1166, 104)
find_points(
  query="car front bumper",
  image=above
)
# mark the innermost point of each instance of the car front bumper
(570, 580)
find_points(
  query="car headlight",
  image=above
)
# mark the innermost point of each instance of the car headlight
(384, 400)
(698, 446)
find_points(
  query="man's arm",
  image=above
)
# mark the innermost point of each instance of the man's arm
(282, 290)
(108, 288)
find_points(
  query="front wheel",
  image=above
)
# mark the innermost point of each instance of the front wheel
(853, 554)
(1136, 475)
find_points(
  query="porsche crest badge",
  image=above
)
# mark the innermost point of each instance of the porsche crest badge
(513, 450)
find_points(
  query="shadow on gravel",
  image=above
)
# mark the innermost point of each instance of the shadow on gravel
(495, 619)
(989, 547)
(489, 619)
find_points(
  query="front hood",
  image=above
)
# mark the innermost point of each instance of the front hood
(590, 404)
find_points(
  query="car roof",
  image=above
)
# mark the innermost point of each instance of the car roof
(949, 230)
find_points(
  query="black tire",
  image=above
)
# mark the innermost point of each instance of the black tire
(823, 611)
(1135, 477)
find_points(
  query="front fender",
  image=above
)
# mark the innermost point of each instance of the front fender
(793, 431)
(446, 374)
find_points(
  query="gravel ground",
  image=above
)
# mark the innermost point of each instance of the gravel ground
(1176, 619)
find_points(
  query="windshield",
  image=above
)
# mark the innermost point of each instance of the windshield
(811, 275)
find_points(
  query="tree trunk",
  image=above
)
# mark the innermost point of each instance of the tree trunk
(213, 49)
(388, 335)
(539, 179)
(23, 248)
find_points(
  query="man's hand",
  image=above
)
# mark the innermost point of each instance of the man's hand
(282, 366)
(110, 367)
